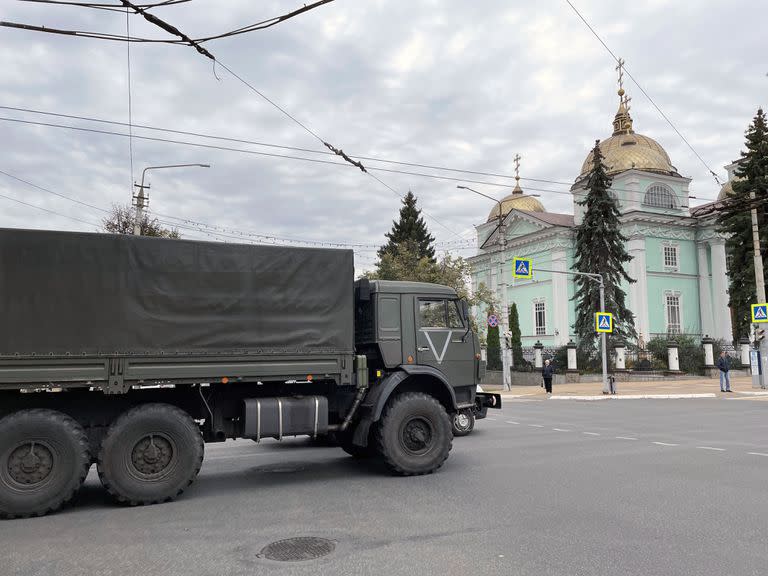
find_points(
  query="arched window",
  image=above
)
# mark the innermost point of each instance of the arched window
(660, 196)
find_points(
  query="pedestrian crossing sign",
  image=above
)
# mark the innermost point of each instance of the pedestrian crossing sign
(522, 268)
(760, 312)
(604, 322)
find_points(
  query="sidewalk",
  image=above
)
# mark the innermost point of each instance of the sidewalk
(693, 388)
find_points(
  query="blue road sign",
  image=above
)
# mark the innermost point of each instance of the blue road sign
(493, 321)
(603, 322)
(759, 312)
(522, 268)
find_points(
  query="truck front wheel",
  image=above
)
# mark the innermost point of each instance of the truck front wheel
(463, 422)
(414, 434)
(151, 454)
(44, 459)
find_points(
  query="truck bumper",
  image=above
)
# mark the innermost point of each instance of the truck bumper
(485, 400)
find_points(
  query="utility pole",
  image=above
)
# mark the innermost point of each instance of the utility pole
(504, 324)
(762, 346)
(142, 200)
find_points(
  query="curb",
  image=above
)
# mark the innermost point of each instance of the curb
(750, 393)
(634, 397)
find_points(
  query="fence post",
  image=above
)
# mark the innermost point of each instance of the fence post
(709, 353)
(571, 348)
(537, 348)
(620, 349)
(745, 347)
(672, 356)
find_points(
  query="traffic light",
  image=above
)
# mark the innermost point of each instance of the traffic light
(759, 335)
(508, 338)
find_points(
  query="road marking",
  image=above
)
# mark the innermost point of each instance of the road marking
(710, 448)
(758, 454)
(591, 433)
(560, 430)
(491, 419)
(625, 438)
(665, 444)
(536, 425)
(512, 422)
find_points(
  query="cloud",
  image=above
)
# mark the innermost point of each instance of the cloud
(449, 83)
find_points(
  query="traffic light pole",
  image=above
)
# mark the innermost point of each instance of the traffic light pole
(762, 345)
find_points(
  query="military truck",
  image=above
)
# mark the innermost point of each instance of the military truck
(132, 352)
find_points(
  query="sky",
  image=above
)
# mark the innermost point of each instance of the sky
(455, 84)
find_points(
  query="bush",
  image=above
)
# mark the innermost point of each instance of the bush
(690, 353)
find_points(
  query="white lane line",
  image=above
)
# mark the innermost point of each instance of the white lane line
(512, 422)
(625, 438)
(758, 454)
(536, 425)
(665, 444)
(560, 430)
(591, 433)
(710, 448)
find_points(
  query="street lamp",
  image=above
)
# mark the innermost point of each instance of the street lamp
(502, 241)
(140, 198)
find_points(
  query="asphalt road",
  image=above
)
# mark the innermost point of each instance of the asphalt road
(659, 487)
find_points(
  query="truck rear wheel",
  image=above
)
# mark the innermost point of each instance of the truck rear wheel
(44, 459)
(414, 434)
(151, 454)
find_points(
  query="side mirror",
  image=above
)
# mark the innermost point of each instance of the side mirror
(465, 310)
(364, 290)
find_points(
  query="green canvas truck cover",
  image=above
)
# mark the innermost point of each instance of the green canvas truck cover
(70, 293)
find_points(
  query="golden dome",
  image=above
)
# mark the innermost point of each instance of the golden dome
(623, 152)
(516, 201)
(726, 190)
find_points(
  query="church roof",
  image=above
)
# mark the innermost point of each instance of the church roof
(517, 200)
(565, 220)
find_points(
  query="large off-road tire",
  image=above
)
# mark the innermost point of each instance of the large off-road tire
(44, 459)
(150, 454)
(463, 422)
(414, 434)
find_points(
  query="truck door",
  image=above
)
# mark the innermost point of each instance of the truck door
(440, 329)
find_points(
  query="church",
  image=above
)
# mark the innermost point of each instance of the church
(678, 257)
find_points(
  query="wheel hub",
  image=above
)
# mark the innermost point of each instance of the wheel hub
(30, 463)
(152, 454)
(462, 420)
(417, 435)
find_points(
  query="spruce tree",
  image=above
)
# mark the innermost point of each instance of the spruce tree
(410, 231)
(516, 339)
(600, 249)
(735, 221)
(493, 350)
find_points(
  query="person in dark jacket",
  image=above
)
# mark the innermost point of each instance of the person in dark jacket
(724, 364)
(547, 372)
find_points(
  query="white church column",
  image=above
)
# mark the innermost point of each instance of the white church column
(705, 296)
(560, 300)
(638, 290)
(720, 310)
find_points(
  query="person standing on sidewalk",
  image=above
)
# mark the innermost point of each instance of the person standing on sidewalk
(547, 372)
(724, 364)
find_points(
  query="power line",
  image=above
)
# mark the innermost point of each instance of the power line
(714, 175)
(46, 210)
(300, 158)
(130, 103)
(216, 229)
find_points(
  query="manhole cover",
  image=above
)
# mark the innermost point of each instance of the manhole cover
(298, 549)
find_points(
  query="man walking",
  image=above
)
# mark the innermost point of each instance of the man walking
(724, 364)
